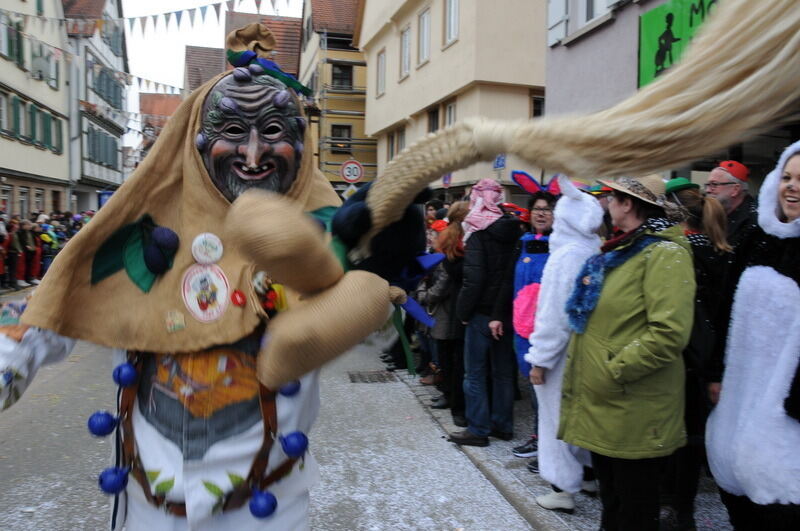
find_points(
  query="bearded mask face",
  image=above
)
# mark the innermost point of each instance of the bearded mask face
(252, 134)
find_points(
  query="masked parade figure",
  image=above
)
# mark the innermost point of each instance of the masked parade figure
(217, 364)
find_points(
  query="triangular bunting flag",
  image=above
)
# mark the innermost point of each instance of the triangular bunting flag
(139, 80)
(258, 6)
(216, 9)
(131, 22)
(167, 16)
(229, 6)
(273, 3)
(155, 21)
(142, 23)
(203, 10)
(192, 14)
(99, 24)
(178, 17)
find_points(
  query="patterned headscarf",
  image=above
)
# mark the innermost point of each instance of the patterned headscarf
(483, 209)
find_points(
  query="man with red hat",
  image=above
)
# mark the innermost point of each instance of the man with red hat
(728, 183)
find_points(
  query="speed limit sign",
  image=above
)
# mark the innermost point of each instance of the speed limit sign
(351, 171)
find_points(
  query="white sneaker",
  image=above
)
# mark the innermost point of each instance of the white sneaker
(557, 501)
(22, 284)
(589, 487)
(35, 281)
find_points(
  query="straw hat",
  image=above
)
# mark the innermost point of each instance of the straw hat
(650, 188)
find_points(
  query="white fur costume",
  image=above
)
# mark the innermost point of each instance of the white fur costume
(577, 217)
(753, 445)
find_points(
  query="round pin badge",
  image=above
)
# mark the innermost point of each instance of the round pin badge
(205, 292)
(207, 248)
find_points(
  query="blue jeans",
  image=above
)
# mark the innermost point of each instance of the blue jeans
(481, 354)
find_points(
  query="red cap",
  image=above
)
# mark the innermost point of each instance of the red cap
(439, 225)
(737, 169)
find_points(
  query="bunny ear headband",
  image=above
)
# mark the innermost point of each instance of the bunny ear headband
(529, 183)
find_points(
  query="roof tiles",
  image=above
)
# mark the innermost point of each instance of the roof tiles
(336, 16)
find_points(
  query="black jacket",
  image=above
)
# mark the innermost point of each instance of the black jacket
(486, 259)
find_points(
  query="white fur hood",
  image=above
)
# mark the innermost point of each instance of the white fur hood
(578, 215)
(768, 206)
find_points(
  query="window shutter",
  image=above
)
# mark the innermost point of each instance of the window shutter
(47, 129)
(16, 115)
(557, 17)
(32, 122)
(20, 49)
(90, 143)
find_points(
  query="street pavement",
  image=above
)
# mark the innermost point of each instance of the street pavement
(385, 462)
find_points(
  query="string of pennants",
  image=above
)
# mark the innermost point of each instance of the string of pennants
(88, 24)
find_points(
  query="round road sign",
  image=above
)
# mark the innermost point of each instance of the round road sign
(351, 171)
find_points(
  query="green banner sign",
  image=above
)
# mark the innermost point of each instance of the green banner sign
(665, 32)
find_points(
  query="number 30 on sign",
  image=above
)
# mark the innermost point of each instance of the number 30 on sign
(351, 171)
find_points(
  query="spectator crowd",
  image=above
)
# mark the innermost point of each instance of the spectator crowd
(28, 245)
(615, 301)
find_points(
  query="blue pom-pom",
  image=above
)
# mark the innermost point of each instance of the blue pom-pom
(262, 503)
(290, 389)
(294, 444)
(165, 238)
(155, 260)
(125, 374)
(101, 423)
(113, 480)
(201, 141)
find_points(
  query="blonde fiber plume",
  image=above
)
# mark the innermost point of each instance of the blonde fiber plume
(739, 77)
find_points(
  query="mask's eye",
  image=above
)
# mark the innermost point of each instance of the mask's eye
(272, 131)
(234, 130)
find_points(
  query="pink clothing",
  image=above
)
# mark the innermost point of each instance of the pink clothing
(483, 209)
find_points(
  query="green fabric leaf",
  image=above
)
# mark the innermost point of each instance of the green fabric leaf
(108, 258)
(325, 215)
(236, 479)
(213, 489)
(133, 257)
(165, 486)
(152, 475)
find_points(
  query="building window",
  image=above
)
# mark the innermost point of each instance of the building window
(38, 200)
(24, 201)
(16, 43)
(342, 76)
(54, 64)
(381, 72)
(341, 136)
(594, 9)
(102, 148)
(450, 21)
(5, 198)
(400, 138)
(450, 114)
(55, 200)
(537, 106)
(5, 25)
(40, 7)
(433, 120)
(405, 52)
(4, 118)
(390, 146)
(424, 37)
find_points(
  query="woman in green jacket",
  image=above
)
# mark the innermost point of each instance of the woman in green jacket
(623, 393)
